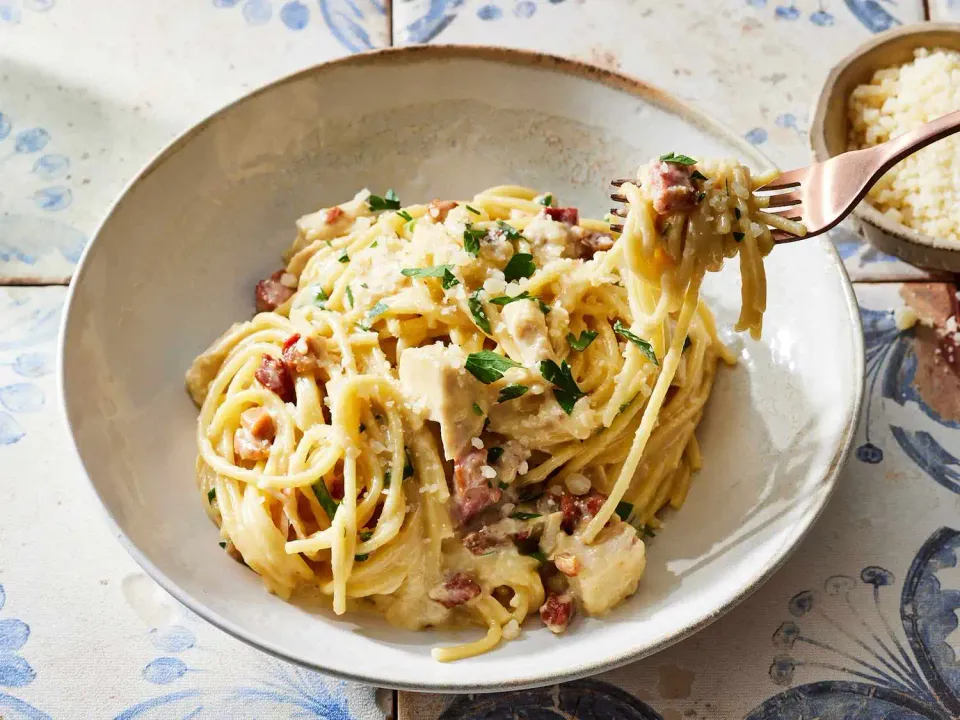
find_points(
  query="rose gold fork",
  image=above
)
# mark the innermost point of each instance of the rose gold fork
(823, 194)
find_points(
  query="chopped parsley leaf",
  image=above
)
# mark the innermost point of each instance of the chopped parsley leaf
(545, 200)
(520, 266)
(473, 210)
(623, 406)
(509, 231)
(472, 238)
(645, 347)
(645, 531)
(672, 157)
(389, 201)
(364, 286)
(361, 558)
(477, 410)
(405, 215)
(447, 278)
(697, 175)
(222, 544)
(350, 296)
(479, 314)
(407, 227)
(525, 516)
(211, 496)
(344, 258)
(506, 299)
(623, 510)
(738, 236)
(407, 465)
(325, 499)
(487, 366)
(511, 392)
(366, 535)
(320, 296)
(544, 308)
(502, 485)
(686, 343)
(565, 389)
(537, 555)
(701, 196)
(494, 454)
(362, 427)
(736, 213)
(580, 344)
(379, 309)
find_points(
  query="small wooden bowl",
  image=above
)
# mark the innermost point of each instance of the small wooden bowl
(830, 130)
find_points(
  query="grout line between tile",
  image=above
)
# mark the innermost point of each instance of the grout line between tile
(34, 282)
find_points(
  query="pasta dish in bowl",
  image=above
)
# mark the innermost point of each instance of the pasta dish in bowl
(473, 411)
(442, 425)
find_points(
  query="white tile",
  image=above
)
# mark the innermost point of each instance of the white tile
(84, 633)
(91, 90)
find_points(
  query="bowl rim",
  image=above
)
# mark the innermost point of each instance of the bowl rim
(506, 56)
(927, 250)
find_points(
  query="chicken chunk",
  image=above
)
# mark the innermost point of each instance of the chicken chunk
(527, 326)
(436, 384)
(608, 570)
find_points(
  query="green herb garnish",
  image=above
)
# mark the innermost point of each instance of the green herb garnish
(350, 296)
(520, 266)
(320, 296)
(222, 544)
(736, 213)
(701, 196)
(487, 366)
(509, 231)
(525, 516)
(379, 309)
(624, 509)
(366, 535)
(325, 499)
(580, 344)
(344, 258)
(511, 392)
(473, 210)
(472, 238)
(506, 299)
(361, 558)
(686, 343)
(405, 215)
(697, 175)
(502, 485)
(738, 236)
(444, 272)
(477, 410)
(645, 347)
(389, 201)
(645, 531)
(545, 200)
(565, 389)
(494, 454)
(479, 314)
(672, 157)
(407, 465)
(537, 555)
(211, 496)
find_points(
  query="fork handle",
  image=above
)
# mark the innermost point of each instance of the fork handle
(893, 151)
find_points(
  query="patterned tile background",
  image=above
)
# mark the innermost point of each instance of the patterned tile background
(858, 624)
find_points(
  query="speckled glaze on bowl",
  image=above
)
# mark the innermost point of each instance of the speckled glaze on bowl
(830, 132)
(175, 261)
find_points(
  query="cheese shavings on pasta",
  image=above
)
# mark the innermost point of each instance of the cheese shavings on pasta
(469, 412)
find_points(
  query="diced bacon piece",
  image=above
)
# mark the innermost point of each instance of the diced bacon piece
(438, 209)
(457, 590)
(568, 215)
(592, 243)
(483, 541)
(557, 611)
(576, 508)
(473, 492)
(259, 423)
(248, 447)
(331, 215)
(300, 354)
(273, 375)
(671, 188)
(568, 564)
(271, 293)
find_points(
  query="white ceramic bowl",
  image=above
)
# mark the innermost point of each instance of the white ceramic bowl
(176, 260)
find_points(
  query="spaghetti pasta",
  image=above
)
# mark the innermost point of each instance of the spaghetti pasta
(464, 412)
